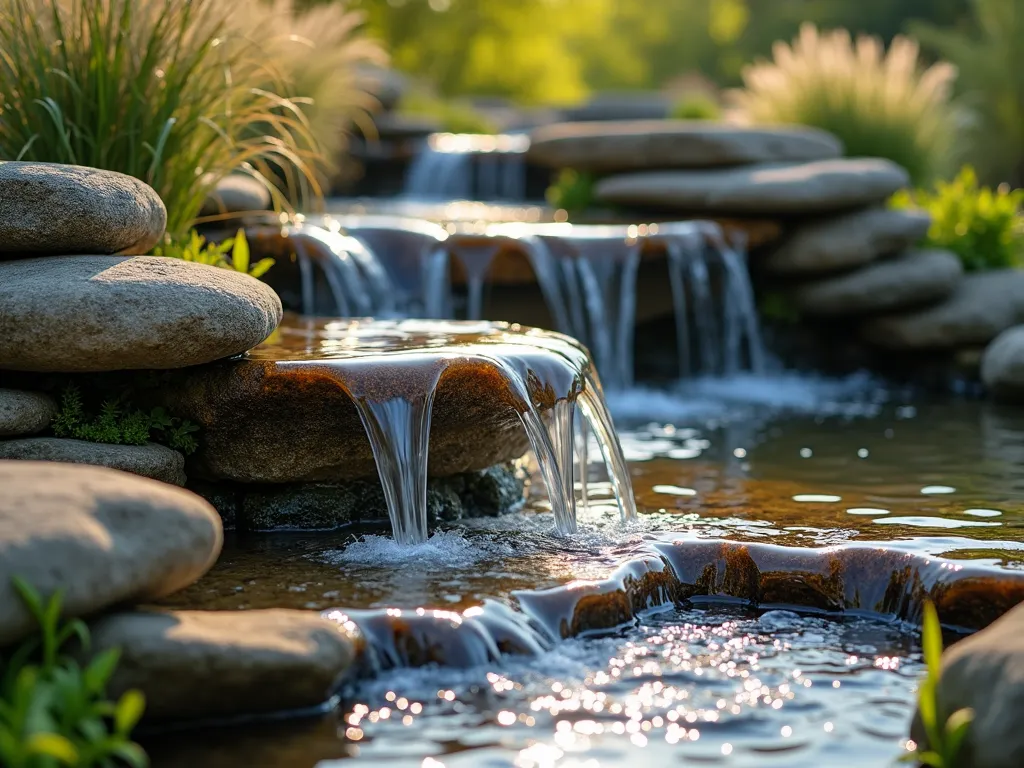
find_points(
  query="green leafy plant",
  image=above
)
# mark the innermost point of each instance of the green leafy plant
(697, 106)
(169, 91)
(945, 737)
(984, 227)
(118, 423)
(53, 712)
(232, 253)
(879, 103)
(990, 60)
(572, 191)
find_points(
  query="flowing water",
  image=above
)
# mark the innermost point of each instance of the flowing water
(469, 167)
(392, 370)
(761, 611)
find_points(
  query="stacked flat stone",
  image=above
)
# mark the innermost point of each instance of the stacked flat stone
(76, 297)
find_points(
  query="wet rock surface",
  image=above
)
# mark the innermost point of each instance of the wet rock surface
(266, 507)
(150, 460)
(984, 305)
(24, 413)
(209, 664)
(127, 313)
(47, 208)
(104, 537)
(1002, 365)
(908, 280)
(846, 241)
(650, 144)
(985, 673)
(765, 189)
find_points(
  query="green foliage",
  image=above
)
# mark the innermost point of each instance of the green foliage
(572, 191)
(118, 423)
(879, 103)
(55, 713)
(232, 253)
(697, 106)
(169, 91)
(452, 116)
(777, 306)
(945, 737)
(991, 65)
(984, 227)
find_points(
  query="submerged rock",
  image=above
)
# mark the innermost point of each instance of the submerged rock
(984, 305)
(108, 313)
(262, 507)
(1002, 365)
(631, 145)
(912, 279)
(104, 537)
(24, 413)
(150, 460)
(765, 189)
(49, 208)
(985, 672)
(209, 664)
(850, 240)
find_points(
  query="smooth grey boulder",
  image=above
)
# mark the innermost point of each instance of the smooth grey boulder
(236, 193)
(764, 189)
(985, 672)
(108, 313)
(150, 460)
(203, 664)
(633, 145)
(847, 241)
(984, 305)
(912, 279)
(49, 208)
(1002, 365)
(104, 537)
(24, 413)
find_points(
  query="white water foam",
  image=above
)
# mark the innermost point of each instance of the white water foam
(444, 548)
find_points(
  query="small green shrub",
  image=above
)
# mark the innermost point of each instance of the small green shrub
(697, 106)
(945, 738)
(55, 713)
(572, 191)
(232, 253)
(984, 227)
(879, 103)
(118, 423)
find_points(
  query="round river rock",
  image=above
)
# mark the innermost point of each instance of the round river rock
(48, 208)
(633, 145)
(24, 413)
(104, 537)
(765, 189)
(150, 460)
(201, 664)
(108, 313)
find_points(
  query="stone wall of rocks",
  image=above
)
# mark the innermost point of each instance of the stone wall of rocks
(848, 265)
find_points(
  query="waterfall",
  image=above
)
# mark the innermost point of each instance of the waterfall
(467, 166)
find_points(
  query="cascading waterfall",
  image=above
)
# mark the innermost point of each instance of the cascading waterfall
(469, 167)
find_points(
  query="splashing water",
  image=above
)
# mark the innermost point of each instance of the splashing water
(468, 167)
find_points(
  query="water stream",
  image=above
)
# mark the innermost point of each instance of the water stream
(469, 167)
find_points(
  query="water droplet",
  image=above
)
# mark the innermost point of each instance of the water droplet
(806, 453)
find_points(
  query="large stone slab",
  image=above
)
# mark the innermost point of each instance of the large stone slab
(1002, 365)
(985, 672)
(48, 208)
(909, 280)
(104, 537)
(24, 413)
(846, 241)
(765, 189)
(106, 313)
(203, 664)
(984, 305)
(151, 460)
(633, 145)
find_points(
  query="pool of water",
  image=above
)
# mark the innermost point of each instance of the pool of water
(792, 463)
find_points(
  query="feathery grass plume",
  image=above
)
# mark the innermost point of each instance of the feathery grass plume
(167, 91)
(324, 53)
(879, 103)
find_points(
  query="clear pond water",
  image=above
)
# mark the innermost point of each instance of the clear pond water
(789, 462)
